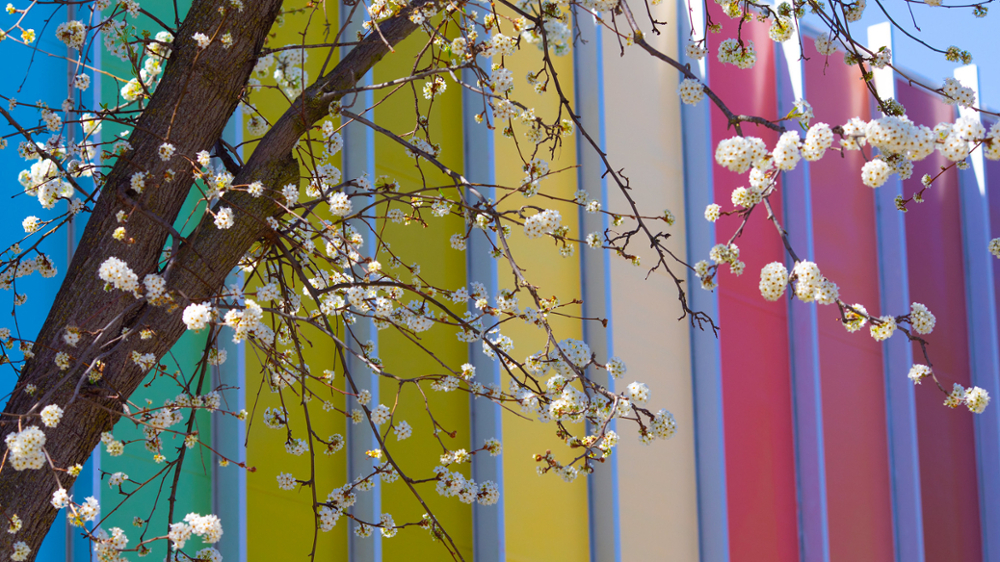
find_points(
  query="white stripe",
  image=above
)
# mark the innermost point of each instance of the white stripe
(359, 159)
(803, 333)
(706, 369)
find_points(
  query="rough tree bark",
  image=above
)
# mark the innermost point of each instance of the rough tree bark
(196, 97)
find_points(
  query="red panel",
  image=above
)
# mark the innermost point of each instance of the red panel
(947, 444)
(854, 418)
(760, 463)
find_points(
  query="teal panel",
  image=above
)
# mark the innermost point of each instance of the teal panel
(194, 484)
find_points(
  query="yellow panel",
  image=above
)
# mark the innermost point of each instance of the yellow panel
(441, 266)
(546, 519)
(643, 136)
(270, 506)
(272, 512)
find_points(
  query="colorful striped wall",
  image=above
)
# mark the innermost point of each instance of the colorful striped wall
(797, 441)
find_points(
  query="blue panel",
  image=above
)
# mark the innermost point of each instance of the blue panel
(706, 373)
(894, 287)
(359, 158)
(981, 311)
(88, 484)
(229, 484)
(46, 83)
(803, 336)
(488, 539)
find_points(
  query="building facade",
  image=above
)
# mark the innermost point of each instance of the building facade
(797, 441)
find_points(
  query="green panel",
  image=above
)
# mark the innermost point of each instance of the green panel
(194, 483)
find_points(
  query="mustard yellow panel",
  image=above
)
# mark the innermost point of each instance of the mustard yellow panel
(272, 512)
(546, 519)
(440, 266)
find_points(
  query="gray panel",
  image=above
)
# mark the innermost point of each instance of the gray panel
(488, 540)
(803, 335)
(359, 158)
(706, 369)
(897, 353)
(983, 338)
(595, 277)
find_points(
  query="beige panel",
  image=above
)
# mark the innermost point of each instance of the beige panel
(658, 499)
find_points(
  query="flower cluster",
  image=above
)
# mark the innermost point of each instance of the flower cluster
(540, 224)
(975, 399)
(208, 527)
(742, 55)
(773, 279)
(51, 415)
(691, 91)
(117, 274)
(25, 448)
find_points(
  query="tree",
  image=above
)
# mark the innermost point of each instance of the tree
(315, 264)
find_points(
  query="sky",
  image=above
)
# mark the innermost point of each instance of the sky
(942, 27)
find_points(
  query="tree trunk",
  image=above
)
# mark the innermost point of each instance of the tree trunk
(194, 100)
(190, 107)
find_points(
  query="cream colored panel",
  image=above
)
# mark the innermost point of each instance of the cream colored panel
(657, 488)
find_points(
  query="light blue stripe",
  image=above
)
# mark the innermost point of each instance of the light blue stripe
(803, 337)
(897, 354)
(981, 307)
(706, 369)
(229, 484)
(359, 158)
(488, 537)
(89, 481)
(595, 276)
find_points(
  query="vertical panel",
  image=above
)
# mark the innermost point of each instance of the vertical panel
(947, 443)
(602, 484)
(992, 168)
(643, 138)
(229, 483)
(803, 335)
(859, 498)
(760, 462)
(440, 266)
(272, 512)
(194, 485)
(89, 482)
(983, 339)
(46, 83)
(546, 519)
(894, 288)
(706, 369)
(359, 160)
(488, 541)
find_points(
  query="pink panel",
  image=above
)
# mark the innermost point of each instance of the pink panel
(947, 444)
(760, 464)
(859, 502)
